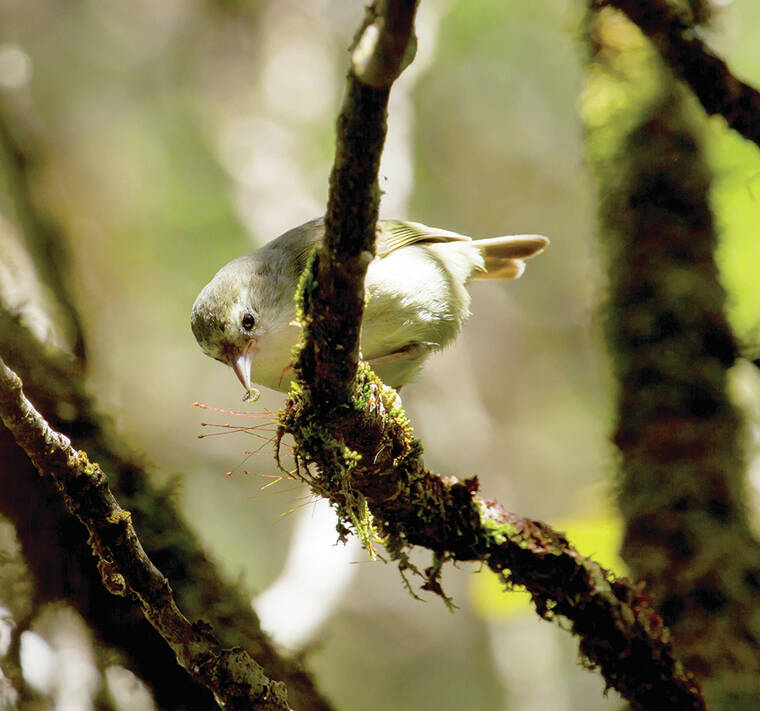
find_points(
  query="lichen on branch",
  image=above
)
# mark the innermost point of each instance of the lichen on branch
(333, 311)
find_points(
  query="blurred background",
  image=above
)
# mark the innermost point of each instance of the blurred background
(171, 137)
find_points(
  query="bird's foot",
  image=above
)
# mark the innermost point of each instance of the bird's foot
(382, 399)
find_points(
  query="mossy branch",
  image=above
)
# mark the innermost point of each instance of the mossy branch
(333, 311)
(676, 37)
(236, 680)
(365, 457)
(54, 542)
(355, 446)
(682, 471)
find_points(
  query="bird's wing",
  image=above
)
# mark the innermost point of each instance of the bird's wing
(395, 234)
(391, 235)
(301, 240)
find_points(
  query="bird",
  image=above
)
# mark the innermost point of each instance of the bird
(416, 300)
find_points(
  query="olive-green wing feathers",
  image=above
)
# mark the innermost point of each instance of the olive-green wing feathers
(395, 234)
(503, 256)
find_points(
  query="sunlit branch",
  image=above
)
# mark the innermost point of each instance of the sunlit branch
(33, 505)
(333, 310)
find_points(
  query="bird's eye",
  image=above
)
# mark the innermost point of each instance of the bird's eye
(248, 322)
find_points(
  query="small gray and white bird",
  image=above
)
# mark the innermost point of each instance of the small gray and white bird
(415, 298)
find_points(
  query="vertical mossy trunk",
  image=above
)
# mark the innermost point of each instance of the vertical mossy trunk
(681, 486)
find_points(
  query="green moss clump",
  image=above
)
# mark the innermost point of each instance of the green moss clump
(497, 533)
(326, 463)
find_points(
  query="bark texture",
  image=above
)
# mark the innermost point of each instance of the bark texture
(682, 480)
(355, 447)
(675, 33)
(56, 549)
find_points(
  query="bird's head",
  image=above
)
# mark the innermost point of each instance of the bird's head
(227, 317)
(245, 316)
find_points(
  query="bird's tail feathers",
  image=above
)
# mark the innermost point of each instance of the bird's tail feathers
(503, 256)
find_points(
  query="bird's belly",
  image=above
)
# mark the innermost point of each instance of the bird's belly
(412, 298)
(416, 302)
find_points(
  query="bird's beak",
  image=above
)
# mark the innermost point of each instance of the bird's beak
(242, 365)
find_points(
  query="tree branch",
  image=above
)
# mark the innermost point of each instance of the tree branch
(235, 678)
(335, 304)
(355, 445)
(682, 472)
(62, 564)
(620, 631)
(680, 45)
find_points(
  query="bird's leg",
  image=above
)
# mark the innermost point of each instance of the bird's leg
(282, 375)
(376, 405)
(411, 351)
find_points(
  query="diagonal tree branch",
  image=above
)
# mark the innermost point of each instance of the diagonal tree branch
(237, 681)
(53, 542)
(355, 445)
(679, 43)
(62, 563)
(55, 548)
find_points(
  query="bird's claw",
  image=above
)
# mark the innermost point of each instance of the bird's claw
(381, 398)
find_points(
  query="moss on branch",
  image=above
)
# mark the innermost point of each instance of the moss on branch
(682, 484)
(355, 446)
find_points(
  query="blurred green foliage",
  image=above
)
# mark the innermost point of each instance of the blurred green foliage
(736, 203)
